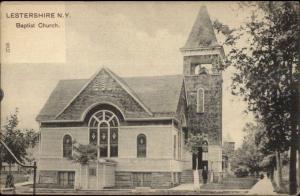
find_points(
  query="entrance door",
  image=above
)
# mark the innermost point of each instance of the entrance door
(92, 178)
(142, 179)
(199, 157)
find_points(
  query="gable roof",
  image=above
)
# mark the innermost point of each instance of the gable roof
(158, 94)
(202, 34)
(124, 86)
(62, 94)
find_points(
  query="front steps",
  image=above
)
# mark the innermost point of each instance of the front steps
(187, 177)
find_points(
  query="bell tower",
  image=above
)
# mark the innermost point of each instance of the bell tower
(202, 57)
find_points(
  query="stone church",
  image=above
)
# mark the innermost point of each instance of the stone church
(139, 125)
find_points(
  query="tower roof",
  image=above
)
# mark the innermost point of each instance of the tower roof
(202, 34)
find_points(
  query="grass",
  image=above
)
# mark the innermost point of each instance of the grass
(18, 177)
(232, 182)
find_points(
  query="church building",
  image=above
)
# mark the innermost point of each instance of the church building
(139, 125)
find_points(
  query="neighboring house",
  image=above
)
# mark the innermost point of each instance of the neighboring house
(32, 154)
(228, 151)
(14, 167)
(139, 124)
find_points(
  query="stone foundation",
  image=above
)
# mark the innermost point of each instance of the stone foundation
(159, 180)
(124, 179)
(48, 177)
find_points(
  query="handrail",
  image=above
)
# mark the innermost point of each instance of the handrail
(19, 162)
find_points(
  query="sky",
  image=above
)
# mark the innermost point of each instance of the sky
(130, 38)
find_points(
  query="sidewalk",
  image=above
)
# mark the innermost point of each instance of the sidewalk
(262, 187)
(190, 187)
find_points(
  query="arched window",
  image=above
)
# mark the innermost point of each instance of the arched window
(67, 146)
(200, 100)
(104, 132)
(141, 145)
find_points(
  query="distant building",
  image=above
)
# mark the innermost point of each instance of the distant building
(32, 154)
(139, 124)
(228, 151)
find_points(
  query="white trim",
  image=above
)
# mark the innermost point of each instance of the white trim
(141, 134)
(219, 50)
(83, 116)
(145, 126)
(85, 127)
(103, 176)
(40, 146)
(150, 119)
(113, 115)
(203, 102)
(126, 119)
(62, 128)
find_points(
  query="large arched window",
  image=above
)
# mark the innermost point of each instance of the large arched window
(104, 132)
(67, 146)
(141, 145)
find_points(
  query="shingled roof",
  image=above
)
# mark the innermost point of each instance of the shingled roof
(202, 34)
(159, 93)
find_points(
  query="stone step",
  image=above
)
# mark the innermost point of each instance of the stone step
(187, 176)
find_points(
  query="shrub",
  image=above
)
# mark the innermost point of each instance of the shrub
(9, 181)
(241, 172)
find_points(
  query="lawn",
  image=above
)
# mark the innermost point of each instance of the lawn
(18, 177)
(232, 182)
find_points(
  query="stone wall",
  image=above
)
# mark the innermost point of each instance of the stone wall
(158, 180)
(209, 122)
(161, 180)
(124, 179)
(48, 177)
